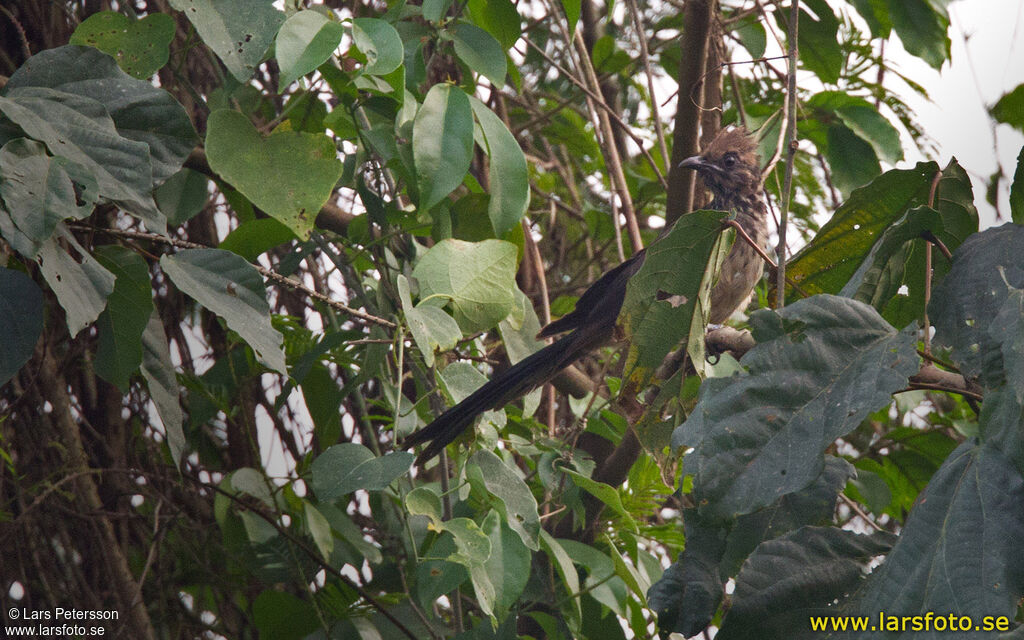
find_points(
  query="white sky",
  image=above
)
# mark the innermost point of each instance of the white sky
(987, 61)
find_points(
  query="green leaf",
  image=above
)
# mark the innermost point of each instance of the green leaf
(563, 563)
(688, 593)
(572, 10)
(141, 47)
(666, 301)
(140, 112)
(510, 178)
(305, 168)
(752, 35)
(478, 278)
(833, 256)
(253, 238)
(21, 315)
(821, 365)
(480, 51)
(516, 503)
(626, 572)
(1009, 109)
(817, 42)
(380, 43)
(432, 328)
(346, 467)
(813, 505)
(182, 196)
(1017, 191)
(306, 40)
(129, 306)
(980, 293)
(229, 286)
(890, 279)
(500, 18)
(319, 529)
(957, 551)
(421, 501)
(605, 493)
(1001, 423)
(238, 31)
(158, 370)
(508, 564)
(851, 158)
(876, 14)
(922, 28)
(798, 575)
(81, 130)
(279, 614)
(442, 143)
(323, 401)
(40, 191)
(861, 117)
(82, 286)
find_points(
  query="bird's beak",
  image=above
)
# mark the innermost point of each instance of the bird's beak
(693, 162)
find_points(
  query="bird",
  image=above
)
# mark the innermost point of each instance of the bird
(730, 169)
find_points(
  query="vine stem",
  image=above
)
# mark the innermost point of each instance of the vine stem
(791, 146)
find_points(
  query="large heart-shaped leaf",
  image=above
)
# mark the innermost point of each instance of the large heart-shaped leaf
(21, 314)
(304, 42)
(288, 174)
(119, 352)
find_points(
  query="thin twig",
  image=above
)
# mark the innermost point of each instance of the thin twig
(272, 275)
(600, 103)
(932, 192)
(645, 61)
(780, 275)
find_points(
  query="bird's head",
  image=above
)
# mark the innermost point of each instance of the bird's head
(729, 166)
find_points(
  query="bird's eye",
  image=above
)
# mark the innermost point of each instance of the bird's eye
(729, 160)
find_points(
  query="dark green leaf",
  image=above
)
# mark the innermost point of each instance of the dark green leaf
(1009, 109)
(442, 142)
(305, 41)
(238, 31)
(380, 43)
(279, 614)
(253, 238)
(499, 17)
(508, 564)
(851, 158)
(572, 13)
(752, 35)
(515, 501)
(480, 51)
(158, 370)
(140, 112)
(876, 14)
(39, 192)
(346, 467)
(818, 46)
(182, 196)
(792, 577)
(922, 28)
(305, 168)
(510, 178)
(81, 287)
(227, 285)
(813, 505)
(831, 258)
(1017, 191)
(688, 593)
(129, 306)
(81, 130)
(570, 579)
(958, 551)
(821, 366)
(675, 265)
(141, 47)
(21, 310)
(966, 307)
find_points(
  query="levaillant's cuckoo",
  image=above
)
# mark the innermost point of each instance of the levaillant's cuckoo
(729, 168)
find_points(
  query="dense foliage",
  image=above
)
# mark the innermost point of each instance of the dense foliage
(247, 246)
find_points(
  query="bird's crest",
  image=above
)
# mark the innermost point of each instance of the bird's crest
(738, 140)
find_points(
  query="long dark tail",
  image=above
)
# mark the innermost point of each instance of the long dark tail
(505, 387)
